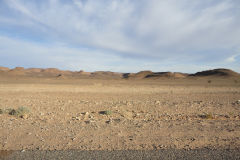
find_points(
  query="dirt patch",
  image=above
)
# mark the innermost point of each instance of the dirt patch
(90, 114)
(5, 153)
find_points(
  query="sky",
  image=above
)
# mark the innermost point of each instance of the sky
(120, 35)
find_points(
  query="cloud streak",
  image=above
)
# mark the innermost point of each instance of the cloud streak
(159, 31)
(232, 58)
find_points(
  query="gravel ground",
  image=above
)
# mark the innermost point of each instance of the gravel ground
(127, 154)
(178, 119)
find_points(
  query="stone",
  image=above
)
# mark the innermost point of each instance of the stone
(157, 102)
(90, 116)
(86, 113)
(109, 121)
(25, 116)
(87, 122)
(75, 118)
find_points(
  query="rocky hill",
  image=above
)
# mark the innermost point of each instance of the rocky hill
(54, 72)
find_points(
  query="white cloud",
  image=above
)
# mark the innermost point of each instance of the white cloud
(158, 24)
(232, 58)
(51, 55)
(159, 30)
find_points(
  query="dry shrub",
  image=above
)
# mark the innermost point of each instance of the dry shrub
(107, 112)
(206, 116)
(20, 112)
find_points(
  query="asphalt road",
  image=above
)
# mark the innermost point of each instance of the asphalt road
(170, 154)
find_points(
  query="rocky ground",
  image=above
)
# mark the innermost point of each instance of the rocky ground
(168, 154)
(120, 114)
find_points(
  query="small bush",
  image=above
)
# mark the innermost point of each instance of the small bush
(12, 112)
(107, 112)
(206, 116)
(21, 111)
(209, 81)
(1, 111)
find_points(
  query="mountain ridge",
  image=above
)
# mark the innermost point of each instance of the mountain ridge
(147, 74)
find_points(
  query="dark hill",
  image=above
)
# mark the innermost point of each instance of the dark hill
(154, 75)
(60, 74)
(217, 72)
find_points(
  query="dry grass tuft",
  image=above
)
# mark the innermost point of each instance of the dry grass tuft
(20, 112)
(107, 112)
(206, 116)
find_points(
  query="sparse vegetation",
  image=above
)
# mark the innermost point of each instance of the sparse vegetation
(7, 111)
(206, 116)
(209, 81)
(12, 112)
(20, 112)
(132, 113)
(107, 112)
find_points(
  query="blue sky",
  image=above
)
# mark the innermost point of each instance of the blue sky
(120, 35)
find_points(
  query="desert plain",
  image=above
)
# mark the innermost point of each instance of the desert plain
(119, 113)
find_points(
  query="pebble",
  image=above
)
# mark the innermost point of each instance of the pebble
(87, 122)
(157, 102)
(109, 121)
(129, 104)
(25, 116)
(86, 113)
(75, 118)
(90, 116)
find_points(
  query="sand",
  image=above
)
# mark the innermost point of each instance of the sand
(145, 114)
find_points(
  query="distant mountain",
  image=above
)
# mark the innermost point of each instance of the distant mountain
(4, 69)
(154, 75)
(60, 74)
(139, 75)
(106, 74)
(221, 72)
